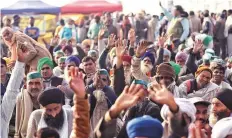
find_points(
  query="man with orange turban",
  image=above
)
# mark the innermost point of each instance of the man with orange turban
(200, 86)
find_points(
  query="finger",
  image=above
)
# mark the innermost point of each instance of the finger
(136, 89)
(126, 89)
(192, 131)
(72, 72)
(198, 132)
(132, 87)
(76, 71)
(80, 75)
(141, 93)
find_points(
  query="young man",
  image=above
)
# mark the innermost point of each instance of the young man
(219, 74)
(31, 30)
(89, 67)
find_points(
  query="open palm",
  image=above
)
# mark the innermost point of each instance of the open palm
(141, 48)
(130, 96)
(159, 94)
(120, 47)
(76, 82)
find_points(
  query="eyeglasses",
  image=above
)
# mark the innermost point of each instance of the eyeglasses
(47, 68)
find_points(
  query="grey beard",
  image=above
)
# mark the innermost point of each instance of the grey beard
(145, 69)
(127, 76)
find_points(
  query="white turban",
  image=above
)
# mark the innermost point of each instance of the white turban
(185, 106)
(222, 128)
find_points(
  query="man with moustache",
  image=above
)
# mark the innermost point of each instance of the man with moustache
(27, 102)
(202, 111)
(221, 106)
(45, 67)
(52, 115)
(200, 86)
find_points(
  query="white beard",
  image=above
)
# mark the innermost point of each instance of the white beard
(212, 119)
(127, 74)
(145, 68)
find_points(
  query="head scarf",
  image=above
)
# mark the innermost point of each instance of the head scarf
(224, 95)
(150, 56)
(203, 68)
(176, 67)
(167, 52)
(74, 59)
(165, 69)
(69, 48)
(181, 56)
(44, 61)
(145, 126)
(33, 75)
(185, 106)
(126, 58)
(51, 96)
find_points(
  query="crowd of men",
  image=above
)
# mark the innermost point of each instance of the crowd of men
(112, 75)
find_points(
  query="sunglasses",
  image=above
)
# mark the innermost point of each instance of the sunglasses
(47, 68)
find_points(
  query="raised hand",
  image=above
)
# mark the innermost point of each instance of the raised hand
(161, 41)
(76, 82)
(128, 98)
(120, 48)
(195, 131)
(160, 94)
(198, 45)
(111, 41)
(141, 48)
(131, 36)
(101, 34)
(22, 54)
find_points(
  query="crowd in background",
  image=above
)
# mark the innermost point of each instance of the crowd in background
(114, 75)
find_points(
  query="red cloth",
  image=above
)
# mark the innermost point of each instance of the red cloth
(126, 58)
(91, 6)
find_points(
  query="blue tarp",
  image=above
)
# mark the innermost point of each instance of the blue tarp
(30, 6)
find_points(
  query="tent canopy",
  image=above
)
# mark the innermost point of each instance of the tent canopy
(92, 6)
(30, 6)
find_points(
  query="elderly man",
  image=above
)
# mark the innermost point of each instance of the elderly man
(221, 106)
(201, 86)
(27, 102)
(143, 63)
(45, 67)
(20, 40)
